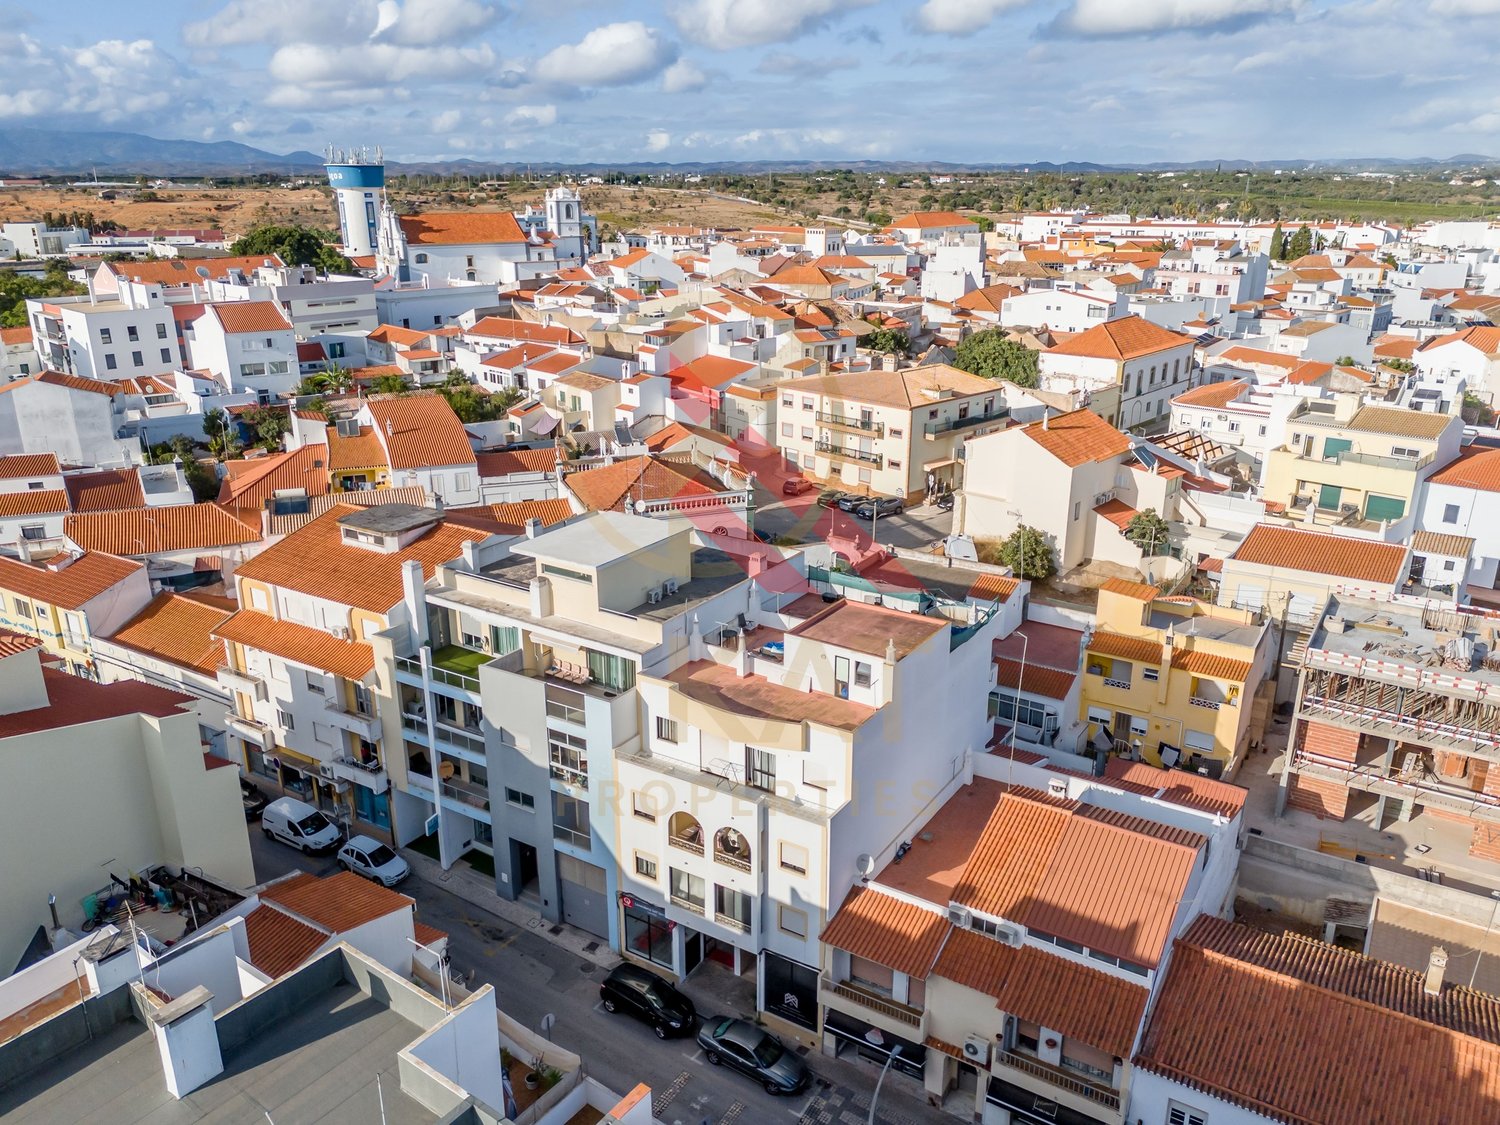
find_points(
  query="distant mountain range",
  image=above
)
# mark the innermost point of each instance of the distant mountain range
(47, 152)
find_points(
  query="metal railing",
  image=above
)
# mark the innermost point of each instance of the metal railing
(843, 421)
(466, 796)
(452, 736)
(569, 776)
(731, 921)
(1124, 684)
(685, 844)
(859, 455)
(1058, 1077)
(688, 904)
(439, 675)
(572, 836)
(948, 425)
(891, 1009)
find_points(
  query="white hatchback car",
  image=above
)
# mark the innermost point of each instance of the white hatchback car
(374, 860)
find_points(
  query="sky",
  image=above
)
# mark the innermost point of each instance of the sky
(710, 80)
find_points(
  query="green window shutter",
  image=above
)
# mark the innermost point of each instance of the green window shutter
(1384, 508)
(1328, 497)
(1333, 446)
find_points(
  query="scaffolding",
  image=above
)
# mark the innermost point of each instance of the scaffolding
(1413, 714)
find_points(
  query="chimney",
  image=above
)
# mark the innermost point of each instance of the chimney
(1437, 963)
(412, 586)
(186, 1039)
(541, 597)
(533, 527)
(470, 552)
(1046, 414)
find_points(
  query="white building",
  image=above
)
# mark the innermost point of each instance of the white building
(38, 240)
(1125, 370)
(106, 338)
(249, 345)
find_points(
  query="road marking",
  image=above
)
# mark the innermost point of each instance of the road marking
(733, 1114)
(696, 1057)
(669, 1095)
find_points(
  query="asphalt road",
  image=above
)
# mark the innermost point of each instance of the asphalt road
(800, 518)
(533, 977)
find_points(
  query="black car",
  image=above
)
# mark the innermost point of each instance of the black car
(647, 997)
(753, 1051)
(880, 508)
(255, 800)
(830, 497)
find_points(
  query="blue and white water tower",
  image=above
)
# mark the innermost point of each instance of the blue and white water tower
(357, 177)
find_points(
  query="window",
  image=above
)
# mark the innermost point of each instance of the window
(166, 355)
(760, 769)
(137, 359)
(1234, 427)
(133, 333)
(519, 800)
(24, 609)
(1179, 1114)
(666, 729)
(105, 336)
(807, 404)
(864, 476)
(1077, 509)
(504, 639)
(285, 719)
(786, 429)
(109, 362)
(1262, 431)
(564, 572)
(790, 920)
(841, 676)
(570, 820)
(643, 805)
(421, 259)
(1150, 674)
(793, 857)
(645, 866)
(896, 432)
(894, 464)
(786, 401)
(861, 673)
(33, 531)
(1450, 513)
(807, 433)
(315, 684)
(1405, 451)
(732, 907)
(687, 890)
(1026, 712)
(161, 331)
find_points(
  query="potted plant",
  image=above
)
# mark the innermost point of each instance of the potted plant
(534, 1075)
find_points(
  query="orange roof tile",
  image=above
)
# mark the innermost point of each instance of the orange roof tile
(1211, 666)
(251, 483)
(58, 379)
(148, 531)
(1181, 787)
(1476, 467)
(1257, 357)
(420, 431)
(74, 701)
(460, 228)
(71, 586)
(1117, 512)
(1482, 337)
(1050, 683)
(1135, 649)
(278, 942)
(173, 272)
(1078, 438)
(12, 336)
(1137, 590)
(920, 220)
(510, 518)
(250, 316)
(350, 451)
(106, 490)
(395, 334)
(710, 372)
(178, 628)
(753, 698)
(301, 644)
(315, 560)
(888, 931)
(871, 629)
(19, 465)
(1315, 552)
(639, 478)
(1129, 337)
(510, 328)
(1213, 394)
(48, 501)
(337, 903)
(508, 461)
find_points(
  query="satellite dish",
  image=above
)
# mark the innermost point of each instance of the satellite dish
(639, 506)
(866, 865)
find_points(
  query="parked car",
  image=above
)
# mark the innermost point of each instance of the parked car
(796, 486)
(641, 993)
(880, 507)
(255, 800)
(753, 1051)
(297, 823)
(367, 856)
(851, 500)
(830, 497)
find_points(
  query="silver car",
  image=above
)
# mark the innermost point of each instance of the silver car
(369, 857)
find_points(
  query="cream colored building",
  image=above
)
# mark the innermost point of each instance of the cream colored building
(102, 779)
(885, 432)
(71, 598)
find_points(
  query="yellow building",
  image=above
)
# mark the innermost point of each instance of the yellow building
(69, 599)
(1356, 464)
(1171, 679)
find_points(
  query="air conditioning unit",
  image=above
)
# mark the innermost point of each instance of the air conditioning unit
(1103, 498)
(325, 771)
(671, 586)
(341, 632)
(958, 916)
(653, 595)
(1011, 934)
(977, 1050)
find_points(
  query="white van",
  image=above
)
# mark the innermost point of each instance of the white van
(297, 823)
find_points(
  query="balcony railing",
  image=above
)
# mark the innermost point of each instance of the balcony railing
(573, 836)
(891, 1009)
(949, 425)
(731, 921)
(569, 776)
(732, 859)
(844, 422)
(1059, 1077)
(1206, 704)
(686, 844)
(859, 455)
(412, 665)
(695, 905)
(1122, 684)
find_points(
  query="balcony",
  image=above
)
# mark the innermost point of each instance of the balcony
(694, 905)
(1062, 1078)
(569, 776)
(1206, 704)
(1374, 778)
(732, 849)
(730, 921)
(453, 666)
(687, 844)
(579, 839)
(933, 430)
(840, 453)
(1123, 685)
(361, 724)
(903, 1014)
(856, 425)
(253, 731)
(370, 774)
(244, 682)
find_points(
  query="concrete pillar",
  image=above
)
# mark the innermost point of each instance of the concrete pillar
(1282, 792)
(187, 1041)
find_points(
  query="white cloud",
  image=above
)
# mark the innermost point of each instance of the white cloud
(108, 82)
(312, 66)
(683, 76)
(447, 121)
(957, 17)
(657, 140)
(1466, 7)
(727, 24)
(1106, 18)
(613, 55)
(420, 23)
(281, 21)
(532, 116)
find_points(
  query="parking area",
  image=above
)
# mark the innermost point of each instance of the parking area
(800, 518)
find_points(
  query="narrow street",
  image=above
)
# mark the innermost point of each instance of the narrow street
(533, 977)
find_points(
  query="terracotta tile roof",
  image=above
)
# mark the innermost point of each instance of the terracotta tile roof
(49, 501)
(1303, 1051)
(106, 490)
(1315, 552)
(1106, 880)
(289, 522)
(1180, 787)
(420, 431)
(1212, 394)
(251, 483)
(888, 931)
(1211, 666)
(1476, 467)
(315, 560)
(1117, 512)
(337, 903)
(460, 228)
(521, 331)
(1257, 357)
(1486, 339)
(639, 478)
(518, 356)
(73, 701)
(1402, 423)
(72, 586)
(19, 465)
(710, 372)
(351, 451)
(178, 628)
(1129, 337)
(13, 336)
(751, 698)
(1031, 984)
(427, 934)
(173, 272)
(13, 643)
(301, 644)
(508, 461)
(918, 220)
(1140, 591)
(278, 942)
(1078, 438)
(148, 531)
(994, 587)
(870, 629)
(58, 379)
(395, 334)
(1050, 683)
(1138, 650)
(905, 389)
(250, 316)
(510, 518)
(1436, 543)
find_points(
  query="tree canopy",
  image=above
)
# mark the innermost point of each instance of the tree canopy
(15, 288)
(1299, 244)
(992, 354)
(887, 340)
(475, 404)
(1026, 551)
(297, 246)
(1149, 532)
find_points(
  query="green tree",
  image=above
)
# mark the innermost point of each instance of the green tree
(390, 385)
(1026, 551)
(296, 246)
(986, 224)
(15, 288)
(888, 340)
(222, 433)
(267, 425)
(1299, 245)
(1278, 243)
(1475, 411)
(1149, 532)
(991, 354)
(332, 381)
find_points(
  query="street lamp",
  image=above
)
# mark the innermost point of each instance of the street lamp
(876, 1039)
